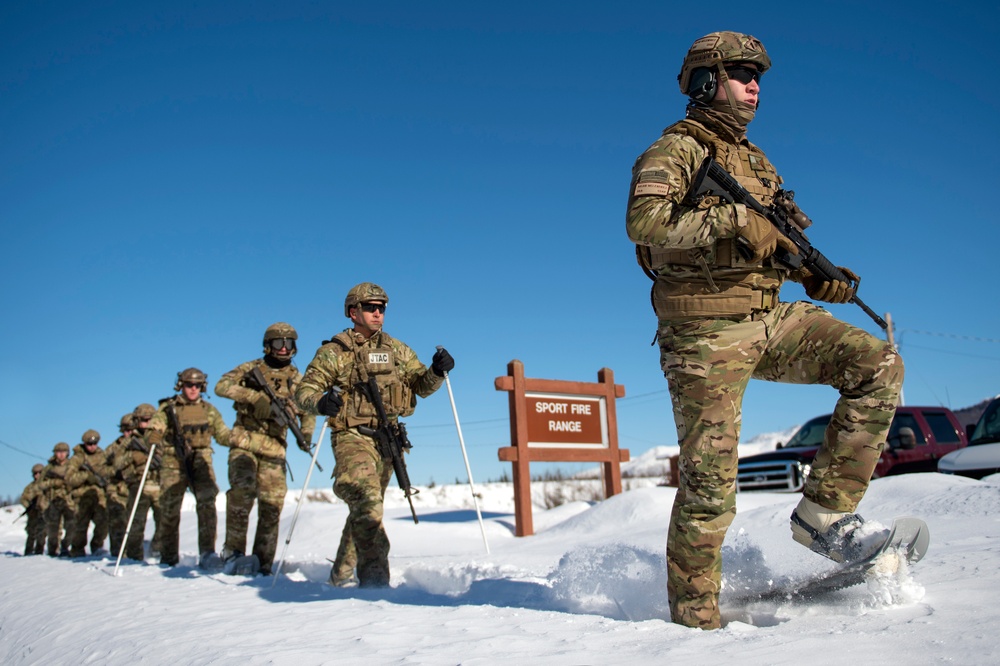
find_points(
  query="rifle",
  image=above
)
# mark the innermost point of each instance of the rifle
(136, 444)
(181, 448)
(788, 219)
(31, 505)
(280, 413)
(101, 481)
(391, 440)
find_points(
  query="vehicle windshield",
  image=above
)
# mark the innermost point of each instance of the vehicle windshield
(811, 434)
(988, 428)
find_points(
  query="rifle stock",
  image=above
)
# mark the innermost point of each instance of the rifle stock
(391, 439)
(713, 180)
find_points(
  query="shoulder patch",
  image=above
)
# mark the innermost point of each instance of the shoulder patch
(652, 183)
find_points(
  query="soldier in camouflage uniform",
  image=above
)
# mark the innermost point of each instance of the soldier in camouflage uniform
(198, 422)
(33, 501)
(721, 323)
(117, 490)
(87, 478)
(60, 507)
(259, 441)
(362, 471)
(130, 465)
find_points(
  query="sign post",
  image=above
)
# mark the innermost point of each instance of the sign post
(553, 420)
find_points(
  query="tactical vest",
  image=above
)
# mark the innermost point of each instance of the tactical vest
(195, 426)
(749, 166)
(282, 381)
(731, 285)
(55, 477)
(378, 361)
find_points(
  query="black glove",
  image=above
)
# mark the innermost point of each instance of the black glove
(442, 362)
(330, 403)
(157, 461)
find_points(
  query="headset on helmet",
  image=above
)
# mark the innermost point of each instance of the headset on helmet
(191, 376)
(364, 293)
(704, 64)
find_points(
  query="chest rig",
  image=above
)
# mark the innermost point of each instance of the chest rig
(195, 426)
(282, 382)
(374, 357)
(748, 165)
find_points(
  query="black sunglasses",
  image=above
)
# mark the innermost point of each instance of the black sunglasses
(372, 307)
(743, 74)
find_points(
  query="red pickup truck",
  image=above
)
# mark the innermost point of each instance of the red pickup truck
(917, 437)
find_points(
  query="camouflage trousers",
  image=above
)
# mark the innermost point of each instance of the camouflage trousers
(708, 364)
(58, 524)
(149, 499)
(173, 484)
(254, 477)
(362, 477)
(118, 508)
(91, 507)
(35, 528)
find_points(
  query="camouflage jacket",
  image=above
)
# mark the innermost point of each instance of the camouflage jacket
(79, 478)
(131, 462)
(690, 245)
(348, 359)
(115, 452)
(200, 421)
(237, 386)
(53, 481)
(33, 497)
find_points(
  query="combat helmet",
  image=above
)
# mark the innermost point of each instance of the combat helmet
(281, 331)
(91, 437)
(127, 422)
(143, 412)
(37, 468)
(704, 64)
(363, 293)
(191, 376)
(61, 446)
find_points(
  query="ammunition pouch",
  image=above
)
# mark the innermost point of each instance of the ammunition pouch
(674, 301)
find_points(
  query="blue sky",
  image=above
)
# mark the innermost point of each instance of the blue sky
(175, 178)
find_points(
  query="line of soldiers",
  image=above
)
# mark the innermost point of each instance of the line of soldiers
(164, 451)
(161, 453)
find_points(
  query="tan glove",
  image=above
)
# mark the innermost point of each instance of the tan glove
(763, 238)
(261, 407)
(830, 291)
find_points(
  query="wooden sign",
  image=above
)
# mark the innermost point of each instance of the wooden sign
(554, 420)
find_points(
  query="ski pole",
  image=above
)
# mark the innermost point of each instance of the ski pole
(298, 507)
(468, 470)
(135, 505)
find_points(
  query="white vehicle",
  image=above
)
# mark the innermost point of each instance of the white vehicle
(982, 456)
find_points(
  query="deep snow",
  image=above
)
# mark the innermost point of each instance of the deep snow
(588, 587)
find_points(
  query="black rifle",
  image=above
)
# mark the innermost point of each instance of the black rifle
(281, 414)
(784, 214)
(136, 444)
(181, 448)
(101, 481)
(31, 505)
(391, 440)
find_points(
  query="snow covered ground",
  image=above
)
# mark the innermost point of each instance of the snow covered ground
(587, 588)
